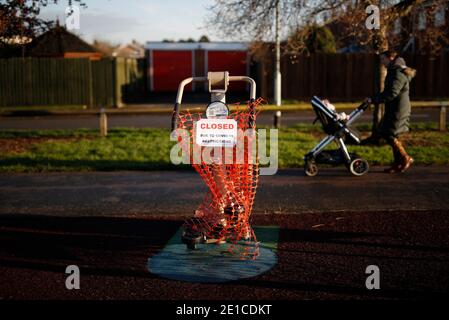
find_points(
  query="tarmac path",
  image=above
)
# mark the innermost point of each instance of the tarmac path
(163, 120)
(331, 228)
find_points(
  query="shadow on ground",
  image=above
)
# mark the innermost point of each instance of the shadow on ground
(102, 246)
(326, 263)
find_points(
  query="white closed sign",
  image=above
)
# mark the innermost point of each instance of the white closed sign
(216, 132)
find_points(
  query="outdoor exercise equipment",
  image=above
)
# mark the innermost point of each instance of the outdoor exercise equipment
(224, 136)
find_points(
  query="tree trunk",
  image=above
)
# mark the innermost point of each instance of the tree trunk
(379, 108)
(381, 45)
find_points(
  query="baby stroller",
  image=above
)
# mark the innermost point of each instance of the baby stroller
(338, 130)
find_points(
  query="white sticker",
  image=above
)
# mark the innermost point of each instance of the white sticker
(216, 132)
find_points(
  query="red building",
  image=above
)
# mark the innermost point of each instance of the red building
(170, 63)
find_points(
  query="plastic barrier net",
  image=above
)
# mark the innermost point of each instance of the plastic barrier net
(224, 215)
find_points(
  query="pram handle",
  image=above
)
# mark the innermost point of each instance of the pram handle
(185, 82)
(365, 105)
(354, 115)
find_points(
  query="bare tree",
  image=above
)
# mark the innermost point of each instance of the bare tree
(254, 20)
(398, 21)
(20, 22)
(20, 18)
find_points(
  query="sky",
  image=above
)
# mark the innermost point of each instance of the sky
(120, 21)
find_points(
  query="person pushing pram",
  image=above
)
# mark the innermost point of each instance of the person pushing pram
(396, 119)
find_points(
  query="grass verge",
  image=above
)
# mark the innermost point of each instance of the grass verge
(149, 149)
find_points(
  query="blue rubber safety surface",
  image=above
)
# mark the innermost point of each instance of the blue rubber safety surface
(212, 263)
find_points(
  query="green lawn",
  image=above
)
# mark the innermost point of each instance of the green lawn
(148, 149)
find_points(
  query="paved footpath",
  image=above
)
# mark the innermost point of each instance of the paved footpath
(331, 228)
(174, 192)
(159, 120)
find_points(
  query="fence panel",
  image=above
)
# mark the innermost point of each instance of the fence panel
(55, 81)
(346, 77)
(336, 76)
(103, 82)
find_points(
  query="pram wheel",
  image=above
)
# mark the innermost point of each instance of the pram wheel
(358, 167)
(310, 169)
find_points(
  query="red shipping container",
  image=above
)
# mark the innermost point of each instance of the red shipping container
(233, 61)
(170, 68)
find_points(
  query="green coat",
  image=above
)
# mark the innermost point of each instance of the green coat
(396, 119)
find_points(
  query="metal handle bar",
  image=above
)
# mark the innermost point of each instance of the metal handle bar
(174, 121)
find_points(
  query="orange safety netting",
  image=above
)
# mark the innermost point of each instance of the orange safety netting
(224, 215)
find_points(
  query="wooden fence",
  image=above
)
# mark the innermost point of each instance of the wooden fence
(346, 77)
(54, 81)
(113, 82)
